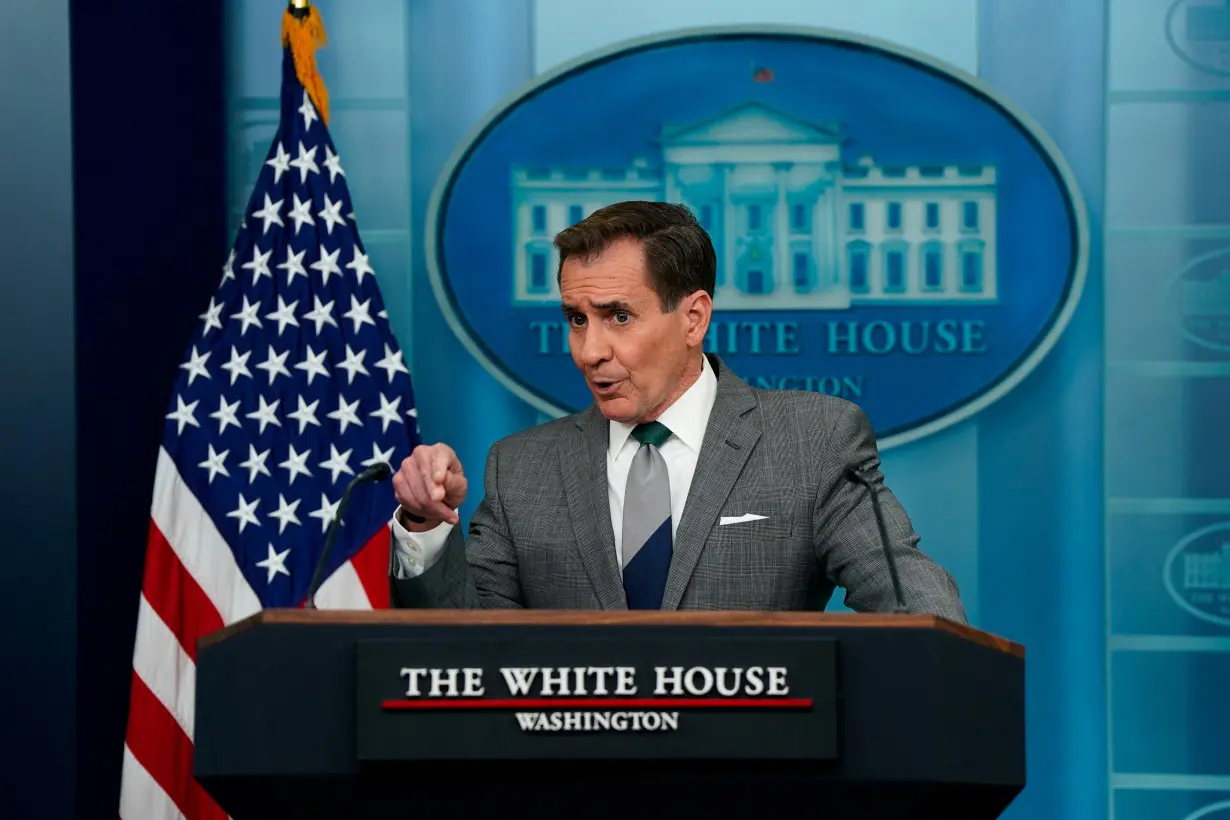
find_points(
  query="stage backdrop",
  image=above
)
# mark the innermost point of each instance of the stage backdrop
(1001, 227)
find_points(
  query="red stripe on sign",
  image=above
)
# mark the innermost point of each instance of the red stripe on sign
(446, 704)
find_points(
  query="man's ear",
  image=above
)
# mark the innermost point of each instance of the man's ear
(697, 310)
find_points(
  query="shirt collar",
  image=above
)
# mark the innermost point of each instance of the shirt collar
(687, 418)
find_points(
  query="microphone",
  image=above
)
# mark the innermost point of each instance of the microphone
(377, 472)
(867, 480)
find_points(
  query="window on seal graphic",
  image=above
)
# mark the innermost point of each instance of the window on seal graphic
(538, 218)
(933, 266)
(538, 272)
(971, 267)
(858, 254)
(894, 268)
(856, 216)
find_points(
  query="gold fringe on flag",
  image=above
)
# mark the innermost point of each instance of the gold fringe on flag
(303, 32)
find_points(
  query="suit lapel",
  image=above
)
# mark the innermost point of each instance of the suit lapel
(729, 438)
(583, 462)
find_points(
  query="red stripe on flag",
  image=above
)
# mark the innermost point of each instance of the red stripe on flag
(372, 566)
(176, 596)
(161, 746)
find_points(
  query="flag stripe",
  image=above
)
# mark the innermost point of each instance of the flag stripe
(198, 544)
(343, 590)
(372, 566)
(176, 596)
(141, 798)
(164, 667)
(161, 747)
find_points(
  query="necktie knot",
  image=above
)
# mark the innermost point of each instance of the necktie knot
(654, 432)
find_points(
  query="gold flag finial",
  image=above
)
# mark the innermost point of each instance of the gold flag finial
(303, 32)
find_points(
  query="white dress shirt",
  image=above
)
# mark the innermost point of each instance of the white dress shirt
(687, 418)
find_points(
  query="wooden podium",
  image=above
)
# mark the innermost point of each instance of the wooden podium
(313, 714)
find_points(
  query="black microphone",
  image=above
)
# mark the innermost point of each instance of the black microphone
(869, 481)
(377, 472)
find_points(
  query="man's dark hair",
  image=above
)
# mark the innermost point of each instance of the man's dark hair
(679, 255)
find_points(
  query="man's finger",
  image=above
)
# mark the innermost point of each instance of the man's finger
(440, 463)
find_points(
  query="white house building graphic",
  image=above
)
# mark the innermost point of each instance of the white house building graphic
(1207, 571)
(795, 228)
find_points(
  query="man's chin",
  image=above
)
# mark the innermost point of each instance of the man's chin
(616, 408)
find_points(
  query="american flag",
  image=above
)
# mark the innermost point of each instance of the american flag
(291, 384)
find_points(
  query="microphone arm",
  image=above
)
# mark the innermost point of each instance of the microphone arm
(377, 472)
(869, 481)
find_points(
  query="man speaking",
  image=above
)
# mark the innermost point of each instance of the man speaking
(680, 487)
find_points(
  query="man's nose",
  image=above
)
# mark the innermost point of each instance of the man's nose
(595, 347)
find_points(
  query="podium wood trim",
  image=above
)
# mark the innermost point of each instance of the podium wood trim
(547, 617)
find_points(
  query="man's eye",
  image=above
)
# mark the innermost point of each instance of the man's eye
(621, 317)
(576, 320)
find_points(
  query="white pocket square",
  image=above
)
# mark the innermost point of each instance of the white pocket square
(739, 519)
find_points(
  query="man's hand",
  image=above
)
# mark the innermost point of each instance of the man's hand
(431, 485)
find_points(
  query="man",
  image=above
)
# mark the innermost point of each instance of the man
(681, 487)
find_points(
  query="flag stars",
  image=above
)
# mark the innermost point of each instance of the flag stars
(228, 270)
(359, 313)
(337, 463)
(248, 315)
(360, 265)
(284, 315)
(326, 513)
(346, 413)
(331, 214)
(270, 214)
(259, 264)
(308, 110)
(354, 364)
(379, 456)
(327, 264)
(184, 414)
(301, 213)
(305, 415)
(321, 314)
(238, 365)
(216, 463)
(392, 363)
(296, 464)
(305, 162)
(226, 414)
(293, 266)
(275, 364)
(196, 365)
(212, 317)
(280, 163)
(245, 513)
(267, 414)
(285, 513)
(313, 364)
(388, 412)
(333, 164)
(274, 565)
(255, 464)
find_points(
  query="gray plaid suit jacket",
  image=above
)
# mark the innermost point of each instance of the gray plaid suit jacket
(541, 537)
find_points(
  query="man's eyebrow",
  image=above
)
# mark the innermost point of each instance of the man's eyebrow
(606, 307)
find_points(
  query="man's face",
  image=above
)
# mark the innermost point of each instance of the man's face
(636, 359)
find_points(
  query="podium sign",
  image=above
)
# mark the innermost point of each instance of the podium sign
(572, 698)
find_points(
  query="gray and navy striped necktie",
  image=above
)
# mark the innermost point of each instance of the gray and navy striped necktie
(647, 520)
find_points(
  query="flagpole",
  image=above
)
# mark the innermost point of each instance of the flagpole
(300, 8)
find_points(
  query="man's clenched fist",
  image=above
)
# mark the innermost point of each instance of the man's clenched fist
(431, 485)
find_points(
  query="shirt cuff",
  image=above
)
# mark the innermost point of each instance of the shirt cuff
(414, 553)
